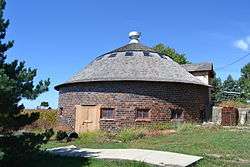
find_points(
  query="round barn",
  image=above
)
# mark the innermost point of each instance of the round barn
(131, 85)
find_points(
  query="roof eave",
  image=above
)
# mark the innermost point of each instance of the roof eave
(57, 87)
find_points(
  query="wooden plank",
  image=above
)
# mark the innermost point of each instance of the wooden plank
(87, 118)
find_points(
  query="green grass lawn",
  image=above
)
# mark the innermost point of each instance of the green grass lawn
(218, 146)
(48, 160)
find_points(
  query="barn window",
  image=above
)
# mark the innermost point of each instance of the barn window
(99, 57)
(112, 55)
(142, 113)
(162, 56)
(107, 113)
(146, 53)
(176, 114)
(129, 53)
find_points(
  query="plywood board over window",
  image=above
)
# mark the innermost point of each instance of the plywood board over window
(87, 118)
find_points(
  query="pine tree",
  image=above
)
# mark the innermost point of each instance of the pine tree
(16, 83)
(245, 81)
(231, 89)
(217, 90)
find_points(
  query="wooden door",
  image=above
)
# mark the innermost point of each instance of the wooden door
(87, 118)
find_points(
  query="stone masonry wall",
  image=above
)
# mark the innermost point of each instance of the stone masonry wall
(126, 97)
(244, 115)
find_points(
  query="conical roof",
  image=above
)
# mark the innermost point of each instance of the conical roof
(133, 62)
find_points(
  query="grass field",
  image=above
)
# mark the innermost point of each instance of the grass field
(59, 161)
(218, 146)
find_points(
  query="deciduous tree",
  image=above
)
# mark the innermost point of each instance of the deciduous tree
(172, 53)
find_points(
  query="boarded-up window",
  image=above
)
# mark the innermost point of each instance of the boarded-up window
(107, 113)
(142, 113)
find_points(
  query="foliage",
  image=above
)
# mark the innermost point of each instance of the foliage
(20, 148)
(125, 135)
(234, 151)
(47, 119)
(172, 53)
(73, 135)
(129, 134)
(227, 90)
(16, 83)
(245, 80)
(231, 89)
(60, 135)
(234, 103)
(44, 104)
(217, 90)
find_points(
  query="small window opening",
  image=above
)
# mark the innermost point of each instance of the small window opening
(146, 53)
(129, 53)
(142, 113)
(162, 56)
(107, 113)
(99, 57)
(112, 55)
(176, 114)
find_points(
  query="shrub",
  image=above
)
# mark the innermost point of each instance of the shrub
(49, 133)
(18, 149)
(47, 119)
(73, 135)
(129, 134)
(60, 135)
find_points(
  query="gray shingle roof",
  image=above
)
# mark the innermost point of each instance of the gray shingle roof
(117, 66)
(133, 47)
(198, 67)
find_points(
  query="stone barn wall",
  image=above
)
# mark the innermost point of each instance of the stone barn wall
(244, 115)
(125, 97)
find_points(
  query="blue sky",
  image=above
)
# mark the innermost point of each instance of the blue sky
(61, 37)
